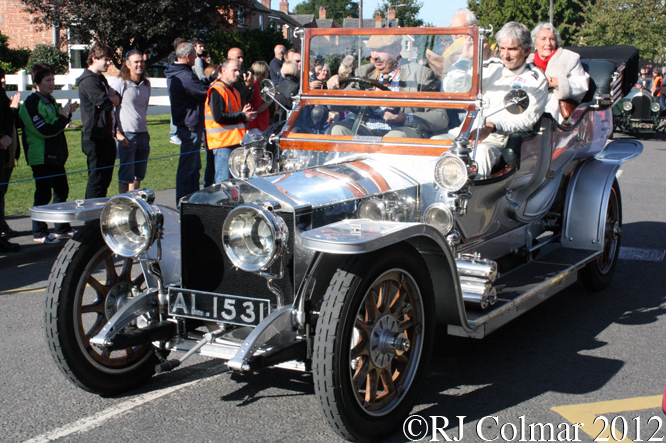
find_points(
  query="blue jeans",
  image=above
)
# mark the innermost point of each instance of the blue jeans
(221, 164)
(134, 160)
(189, 163)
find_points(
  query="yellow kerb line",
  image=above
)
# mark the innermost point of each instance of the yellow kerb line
(586, 413)
(21, 291)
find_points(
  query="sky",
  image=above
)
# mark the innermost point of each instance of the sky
(437, 12)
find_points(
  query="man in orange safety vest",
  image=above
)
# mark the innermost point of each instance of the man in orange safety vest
(224, 119)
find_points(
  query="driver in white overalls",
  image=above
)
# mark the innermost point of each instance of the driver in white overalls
(500, 76)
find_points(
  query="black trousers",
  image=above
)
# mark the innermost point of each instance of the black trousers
(101, 155)
(5, 176)
(49, 180)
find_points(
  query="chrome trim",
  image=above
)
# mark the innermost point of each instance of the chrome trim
(135, 308)
(225, 350)
(277, 322)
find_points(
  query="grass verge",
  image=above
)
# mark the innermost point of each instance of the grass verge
(161, 173)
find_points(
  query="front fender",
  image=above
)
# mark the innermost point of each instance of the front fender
(364, 236)
(587, 196)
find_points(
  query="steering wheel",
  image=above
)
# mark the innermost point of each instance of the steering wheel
(369, 81)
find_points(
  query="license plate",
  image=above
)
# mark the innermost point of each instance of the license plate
(643, 125)
(234, 309)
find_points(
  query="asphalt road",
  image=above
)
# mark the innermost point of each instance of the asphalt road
(578, 348)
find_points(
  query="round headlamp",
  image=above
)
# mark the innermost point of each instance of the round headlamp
(236, 160)
(627, 105)
(450, 173)
(130, 225)
(655, 107)
(372, 209)
(440, 217)
(254, 237)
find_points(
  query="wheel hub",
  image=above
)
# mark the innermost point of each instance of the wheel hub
(386, 342)
(117, 297)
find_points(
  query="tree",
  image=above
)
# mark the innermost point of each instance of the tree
(255, 43)
(567, 14)
(338, 10)
(406, 11)
(147, 25)
(639, 23)
(12, 60)
(50, 55)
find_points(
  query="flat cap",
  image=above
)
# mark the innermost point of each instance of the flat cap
(383, 41)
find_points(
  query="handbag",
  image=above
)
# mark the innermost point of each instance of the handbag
(567, 107)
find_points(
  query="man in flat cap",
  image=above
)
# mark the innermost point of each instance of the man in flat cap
(389, 69)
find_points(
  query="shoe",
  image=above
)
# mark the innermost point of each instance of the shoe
(68, 234)
(9, 233)
(174, 139)
(49, 240)
(7, 246)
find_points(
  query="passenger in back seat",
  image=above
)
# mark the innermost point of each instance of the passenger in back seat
(567, 80)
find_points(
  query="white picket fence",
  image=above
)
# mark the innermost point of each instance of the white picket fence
(159, 96)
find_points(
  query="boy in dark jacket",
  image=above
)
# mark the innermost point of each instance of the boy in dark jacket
(97, 135)
(46, 148)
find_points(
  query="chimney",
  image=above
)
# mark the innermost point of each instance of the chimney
(266, 3)
(322, 13)
(378, 21)
(390, 15)
(284, 6)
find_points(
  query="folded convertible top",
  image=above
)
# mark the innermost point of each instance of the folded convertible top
(618, 55)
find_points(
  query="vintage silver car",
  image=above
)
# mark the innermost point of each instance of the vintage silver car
(336, 251)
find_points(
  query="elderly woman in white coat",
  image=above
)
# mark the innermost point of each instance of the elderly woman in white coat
(567, 80)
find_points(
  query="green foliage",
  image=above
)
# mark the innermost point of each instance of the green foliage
(50, 55)
(12, 59)
(407, 13)
(337, 10)
(147, 25)
(567, 14)
(256, 44)
(639, 23)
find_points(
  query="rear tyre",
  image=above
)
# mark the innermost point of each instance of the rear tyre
(597, 275)
(86, 286)
(373, 343)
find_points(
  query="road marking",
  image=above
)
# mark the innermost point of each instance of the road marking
(21, 291)
(96, 420)
(586, 413)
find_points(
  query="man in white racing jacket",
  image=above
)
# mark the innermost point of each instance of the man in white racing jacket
(500, 76)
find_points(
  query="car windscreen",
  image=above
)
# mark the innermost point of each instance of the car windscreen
(376, 123)
(390, 62)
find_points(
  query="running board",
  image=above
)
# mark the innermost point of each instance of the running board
(520, 290)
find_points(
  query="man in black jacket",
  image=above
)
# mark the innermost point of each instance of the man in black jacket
(97, 135)
(187, 95)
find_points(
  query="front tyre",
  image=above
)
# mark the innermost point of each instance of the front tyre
(86, 286)
(373, 342)
(597, 275)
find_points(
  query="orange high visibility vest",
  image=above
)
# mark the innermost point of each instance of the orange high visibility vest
(222, 136)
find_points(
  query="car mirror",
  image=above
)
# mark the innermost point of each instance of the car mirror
(516, 101)
(267, 90)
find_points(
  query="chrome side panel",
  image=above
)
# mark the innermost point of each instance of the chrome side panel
(587, 196)
(171, 254)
